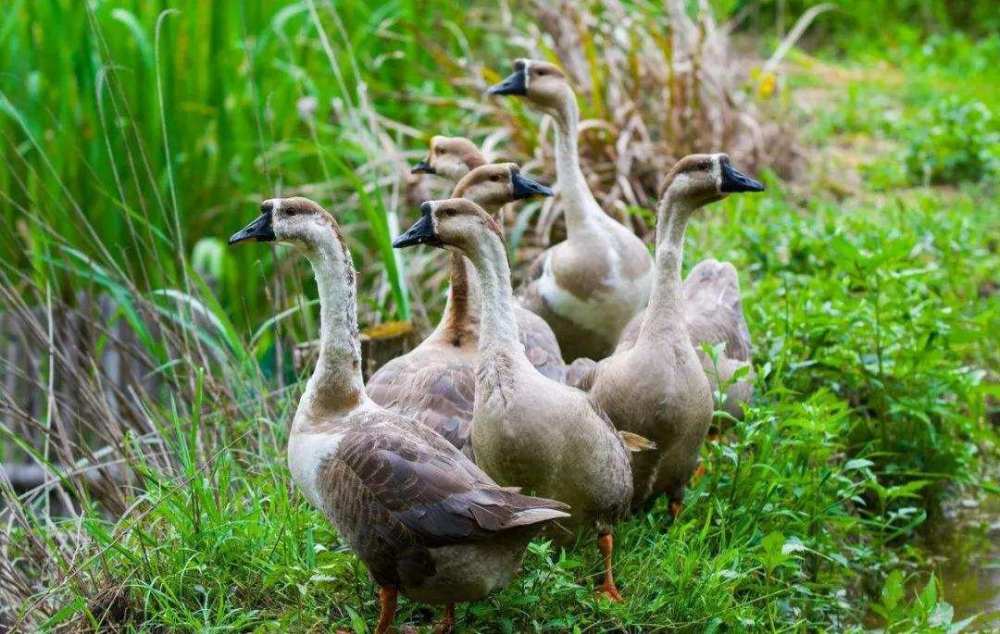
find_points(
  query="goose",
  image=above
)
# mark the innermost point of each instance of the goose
(656, 386)
(491, 189)
(529, 430)
(426, 521)
(450, 158)
(453, 158)
(435, 382)
(589, 286)
(713, 312)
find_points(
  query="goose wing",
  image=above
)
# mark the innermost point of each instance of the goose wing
(713, 309)
(438, 392)
(540, 344)
(581, 373)
(429, 493)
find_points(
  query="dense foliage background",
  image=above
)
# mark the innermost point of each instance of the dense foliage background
(137, 136)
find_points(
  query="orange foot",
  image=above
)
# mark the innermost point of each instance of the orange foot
(698, 473)
(609, 591)
(676, 508)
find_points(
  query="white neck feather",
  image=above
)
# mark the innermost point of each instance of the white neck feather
(498, 329)
(336, 383)
(666, 302)
(578, 201)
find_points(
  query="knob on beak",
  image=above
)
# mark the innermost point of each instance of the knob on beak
(422, 231)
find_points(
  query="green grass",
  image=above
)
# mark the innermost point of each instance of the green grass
(801, 515)
(873, 309)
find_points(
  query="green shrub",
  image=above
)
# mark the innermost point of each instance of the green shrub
(953, 141)
(870, 308)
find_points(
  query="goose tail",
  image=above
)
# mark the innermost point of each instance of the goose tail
(636, 443)
(534, 510)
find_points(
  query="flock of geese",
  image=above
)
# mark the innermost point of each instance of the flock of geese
(425, 471)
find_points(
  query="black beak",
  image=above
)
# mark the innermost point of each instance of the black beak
(734, 180)
(423, 167)
(422, 232)
(515, 84)
(260, 229)
(525, 187)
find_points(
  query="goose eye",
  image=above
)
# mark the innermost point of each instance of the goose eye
(495, 178)
(291, 211)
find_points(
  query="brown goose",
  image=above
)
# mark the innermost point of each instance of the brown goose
(454, 158)
(422, 517)
(656, 386)
(450, 158)
(529, 430)
(435, 382)
(591, 285)
(713, 311)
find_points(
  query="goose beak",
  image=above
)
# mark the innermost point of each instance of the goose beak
(422, 232)
(734, 180)
(423, 167)
(515, 84)
(525, 187)
(260, 229)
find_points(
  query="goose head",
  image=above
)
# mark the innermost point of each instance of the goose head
(496, 184)
(700, 179)
(294, 220)
(452, 223)
(543, 84)
(450, 158)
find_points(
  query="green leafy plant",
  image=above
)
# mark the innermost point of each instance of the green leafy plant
(872, 320)
(925, 613)
(953, 141)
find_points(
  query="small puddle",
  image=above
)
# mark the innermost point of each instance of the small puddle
(965, 553)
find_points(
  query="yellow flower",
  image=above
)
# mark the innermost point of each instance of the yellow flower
(766, 85)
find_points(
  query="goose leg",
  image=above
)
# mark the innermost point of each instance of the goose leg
(605, 542)
(699, 472)
(676, 506)
(387, 596)
(447, 624)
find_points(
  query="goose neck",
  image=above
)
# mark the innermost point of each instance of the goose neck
(578, 201)
(461, 317)
(666, 301)
(498, 328)
(336, 383)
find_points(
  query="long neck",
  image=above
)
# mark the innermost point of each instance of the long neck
(666, 304)
(578, 200)
(460, 320)
(462, 313)
(336, 383)
(498, 329)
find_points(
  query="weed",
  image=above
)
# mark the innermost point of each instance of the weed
(953, 141)
(157, 388)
